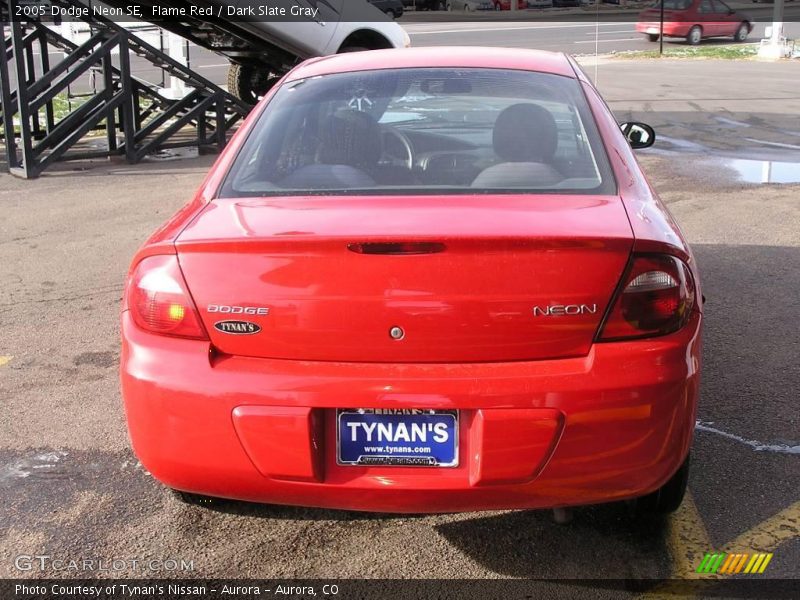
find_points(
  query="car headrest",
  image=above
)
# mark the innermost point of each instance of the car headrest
(350, 138)
(525, 133)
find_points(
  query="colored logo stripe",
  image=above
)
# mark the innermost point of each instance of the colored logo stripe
(730, 564)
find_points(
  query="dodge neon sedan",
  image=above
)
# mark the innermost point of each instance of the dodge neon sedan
(421, 280)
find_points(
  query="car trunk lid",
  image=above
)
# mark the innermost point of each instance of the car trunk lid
(408, 279)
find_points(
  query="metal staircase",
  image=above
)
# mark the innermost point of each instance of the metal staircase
(136, 118)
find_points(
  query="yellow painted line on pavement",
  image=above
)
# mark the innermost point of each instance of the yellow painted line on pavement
(4, 360)
(688, 541)
(769, 534)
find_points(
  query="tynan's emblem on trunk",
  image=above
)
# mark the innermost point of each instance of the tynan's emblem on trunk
(237, 327)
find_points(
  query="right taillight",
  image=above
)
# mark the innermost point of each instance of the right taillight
(656, 297)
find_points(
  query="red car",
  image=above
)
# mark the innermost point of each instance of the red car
(695, 20)
(506, 4)
(422, 280)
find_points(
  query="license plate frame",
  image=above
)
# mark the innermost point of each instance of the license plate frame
(362, 452)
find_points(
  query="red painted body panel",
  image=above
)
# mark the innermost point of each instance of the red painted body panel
(466, 56)
(512, 445)
(474, 301)
(602, 422)
(671, 28)
(506, 4)
(628, 411)
(654, 228)
(290, 451)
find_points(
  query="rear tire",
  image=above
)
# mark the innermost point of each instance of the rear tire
(742, 32)
(652, 37)
(249, 82)
(192, 499)
(695, 35)
(668, 497)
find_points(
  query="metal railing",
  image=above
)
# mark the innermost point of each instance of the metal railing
(136, 118)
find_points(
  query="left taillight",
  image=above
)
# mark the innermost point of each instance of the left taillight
(656, 298)
(159, 300)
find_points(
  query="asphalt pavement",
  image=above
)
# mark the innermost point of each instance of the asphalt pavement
(724, 108)
(71, 487)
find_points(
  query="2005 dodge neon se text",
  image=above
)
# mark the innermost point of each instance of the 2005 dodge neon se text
(419, 280)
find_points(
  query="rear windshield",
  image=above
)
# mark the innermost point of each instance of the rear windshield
(424, 131)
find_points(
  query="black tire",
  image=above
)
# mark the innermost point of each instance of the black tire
(236, 83)
(668, 497)
(249, 82)
(742, 32)
(193, 499)
(652, 37)
(346, 49)
(695, 35)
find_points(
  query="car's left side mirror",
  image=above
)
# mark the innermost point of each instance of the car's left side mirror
(639, 135)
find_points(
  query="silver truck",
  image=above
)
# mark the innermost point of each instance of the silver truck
(262, 47)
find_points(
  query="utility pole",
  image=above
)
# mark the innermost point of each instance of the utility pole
(775, 47)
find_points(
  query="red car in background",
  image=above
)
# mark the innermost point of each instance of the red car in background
(423, 280)
(506, 4)
(695, 20)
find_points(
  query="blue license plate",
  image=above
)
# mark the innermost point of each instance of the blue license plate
(395, 437)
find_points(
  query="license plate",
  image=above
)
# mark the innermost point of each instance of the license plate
(396, 437)
(652, 30)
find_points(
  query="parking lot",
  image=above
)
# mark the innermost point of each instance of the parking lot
(72, 488)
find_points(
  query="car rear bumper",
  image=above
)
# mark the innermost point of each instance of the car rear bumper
(671, 28)
(612, 425)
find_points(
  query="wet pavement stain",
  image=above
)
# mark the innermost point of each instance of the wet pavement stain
(96, 359)
(39, 485)
(76, 505)
(763, 171)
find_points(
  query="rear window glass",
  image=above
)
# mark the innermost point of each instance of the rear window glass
(424, 131)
